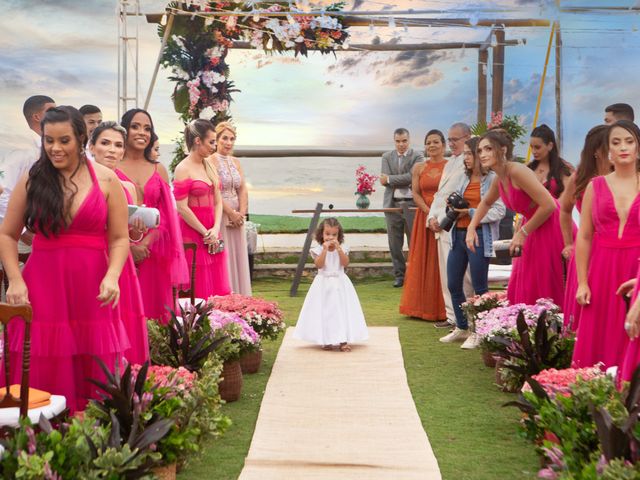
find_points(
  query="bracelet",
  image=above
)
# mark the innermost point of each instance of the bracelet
(137, 240)
(524, 231)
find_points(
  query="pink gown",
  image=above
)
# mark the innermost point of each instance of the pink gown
(166, 267)
(601, 335)
(571, 308)
(132, 310)
(538, 272)
(212, 277)
(632, 355)
(63, 276)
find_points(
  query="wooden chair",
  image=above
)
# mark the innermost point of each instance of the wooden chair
(189, 293)
(12, 408)
(8, 312)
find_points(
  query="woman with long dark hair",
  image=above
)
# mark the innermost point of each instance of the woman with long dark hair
(472, 187)
(607, 250)
(537, 273)
(593, 163)
(552, 171)
(107, 145)
(78, 213)
(196, 187)
(159, 254)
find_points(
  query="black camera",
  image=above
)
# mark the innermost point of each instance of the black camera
(453, 201)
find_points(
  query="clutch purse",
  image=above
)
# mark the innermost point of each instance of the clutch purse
(216, 247)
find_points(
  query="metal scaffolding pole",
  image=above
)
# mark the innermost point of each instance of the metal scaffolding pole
(127, 58)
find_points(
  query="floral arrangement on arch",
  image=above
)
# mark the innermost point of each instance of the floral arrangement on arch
(197, 48)
(263, 316)
(365, 182)
(510, 123)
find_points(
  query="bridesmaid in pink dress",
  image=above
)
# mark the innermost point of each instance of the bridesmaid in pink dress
(607, 251)
(235, 201)
(593, 163)
(537, 273)
(196, 187)
(78, 214)
(552, 171)
(159, 256)
(107, 147)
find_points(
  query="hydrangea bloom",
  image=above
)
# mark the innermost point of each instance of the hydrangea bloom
(502, 320)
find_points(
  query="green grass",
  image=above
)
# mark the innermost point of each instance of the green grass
(291, 224)
(472, 436)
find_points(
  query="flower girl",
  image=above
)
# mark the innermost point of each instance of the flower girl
(331, 313)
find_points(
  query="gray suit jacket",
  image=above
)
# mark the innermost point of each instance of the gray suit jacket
(399, 175)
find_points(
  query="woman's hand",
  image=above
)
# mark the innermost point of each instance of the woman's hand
(567, 252)
(139, 251)
(236, 219)
(434, 226)
(517, 242)
(472, 240)
(632, 321)
(583, 295)
(17, 292)
(137, 229)
(210, 236)
(109, 291)
(627, 287)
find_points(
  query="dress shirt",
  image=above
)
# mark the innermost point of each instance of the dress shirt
(15, 165)
(405, 192)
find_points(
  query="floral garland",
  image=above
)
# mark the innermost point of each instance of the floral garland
(197, 48)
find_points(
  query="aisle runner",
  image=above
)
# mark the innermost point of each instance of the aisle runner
(333, 415)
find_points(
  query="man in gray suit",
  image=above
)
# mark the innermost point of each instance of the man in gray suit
(396, 178)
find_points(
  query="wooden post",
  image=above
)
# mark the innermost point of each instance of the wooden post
(497, 72)
(483, 65)
(305, 250)
(558, 87)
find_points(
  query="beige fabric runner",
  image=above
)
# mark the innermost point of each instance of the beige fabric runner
(334, 415)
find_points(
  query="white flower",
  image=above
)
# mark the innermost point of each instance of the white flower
(178, 40)
(179, 73)
(209, 78)
(207, 113)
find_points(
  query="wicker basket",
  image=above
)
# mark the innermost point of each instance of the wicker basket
(165, 472)
(231, 384)
(250, 361)
(488, 358)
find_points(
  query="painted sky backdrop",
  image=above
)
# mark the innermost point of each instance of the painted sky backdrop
(68, 49)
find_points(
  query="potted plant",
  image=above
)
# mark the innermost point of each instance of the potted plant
(483, 303)
(263, 316)
(240, 338)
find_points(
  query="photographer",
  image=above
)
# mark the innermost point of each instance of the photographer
(461, 207)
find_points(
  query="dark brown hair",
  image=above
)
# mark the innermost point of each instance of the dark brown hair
(596, 140)
(329, 222)
(499, 138)
(472, 143)
(558, 167)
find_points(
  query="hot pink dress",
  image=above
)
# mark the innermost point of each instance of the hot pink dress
(212, 277)
(632, 355)
(166, 267)
(132, 310)
(63, 276)
(601, 335)
(538, 272)
(571, 309)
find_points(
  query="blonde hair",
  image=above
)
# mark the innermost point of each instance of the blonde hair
(222, 127)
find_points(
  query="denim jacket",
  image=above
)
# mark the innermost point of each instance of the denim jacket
(491, 221)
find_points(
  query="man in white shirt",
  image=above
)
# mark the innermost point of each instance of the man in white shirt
(396, 178)
(458, 134)
(92, 116)
(19, 162)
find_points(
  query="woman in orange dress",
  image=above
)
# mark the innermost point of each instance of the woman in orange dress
(422, 293)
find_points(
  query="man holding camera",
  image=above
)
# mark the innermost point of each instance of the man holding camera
(396, 178)
(458, 134)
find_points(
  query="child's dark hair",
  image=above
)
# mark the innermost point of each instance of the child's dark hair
(329, 222)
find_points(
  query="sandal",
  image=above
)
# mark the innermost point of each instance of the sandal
(345, 347)
(327, 347)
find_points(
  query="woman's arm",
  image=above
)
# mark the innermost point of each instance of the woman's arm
(567, 202)
(10, 230)
(243, 192)
(415, 187)
(118, 236)
(583, 247)
(218, 221)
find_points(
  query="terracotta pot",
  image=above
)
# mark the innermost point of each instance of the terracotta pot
(165, 472)
(231, 384)
(250, 361)
(488, 358)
